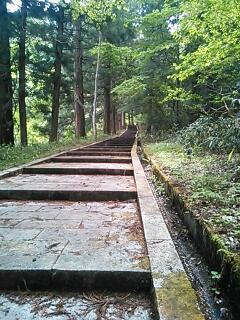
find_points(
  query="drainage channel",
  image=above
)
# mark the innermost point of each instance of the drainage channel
(82, 237)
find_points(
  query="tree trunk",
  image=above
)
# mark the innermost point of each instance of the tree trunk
(129, 118)
(114, 117)
(94, 124)
(57, 76)
(132, 120)
(6, 116)
(78, 87)
(178, 120)
(22, 74)
(123, 123)
(107, 104)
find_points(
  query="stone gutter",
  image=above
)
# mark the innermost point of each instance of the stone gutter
(210, 244)
(173, 295)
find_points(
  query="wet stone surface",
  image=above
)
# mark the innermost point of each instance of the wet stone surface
(103, 236)
(87, 306)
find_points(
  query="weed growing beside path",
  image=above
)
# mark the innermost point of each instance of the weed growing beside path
(209, 184)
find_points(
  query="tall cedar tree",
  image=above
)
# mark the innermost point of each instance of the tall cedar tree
(6, 116)
(57, 76)
(22, 74)
(78, 81)
(107, 103)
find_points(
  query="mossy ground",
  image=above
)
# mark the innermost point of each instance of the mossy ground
(11, 156)
(209, 184)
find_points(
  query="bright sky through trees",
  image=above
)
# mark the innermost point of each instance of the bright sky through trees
(16, 4)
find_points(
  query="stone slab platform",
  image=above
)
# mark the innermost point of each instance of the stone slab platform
(67, 187)
(65, 306)
(72, 245)
(92, 159)
(80, 168)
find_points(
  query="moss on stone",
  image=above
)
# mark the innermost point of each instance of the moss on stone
(143, 263)
(177, 300)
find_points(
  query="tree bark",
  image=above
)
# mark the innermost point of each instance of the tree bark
(22, 74)
(113, 117)
(132, 120)
(94, 123)
(107, 104)
(123, 122)
(129, 118)
(78, 86)
(6, 116)
(57, 76)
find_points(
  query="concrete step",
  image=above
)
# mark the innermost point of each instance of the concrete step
(80, 168)
(68, 187)
(117, 144)
(92, 159)
(108, 149)
(98, 153)
(72, 246)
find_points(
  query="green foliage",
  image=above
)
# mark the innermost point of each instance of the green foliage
(208, 38)
(220, 134)
(208, 34)
(129, 91)
(215, 275)
(98, 11)
(170, 62)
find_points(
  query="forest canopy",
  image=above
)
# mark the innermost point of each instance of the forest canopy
(72, 68)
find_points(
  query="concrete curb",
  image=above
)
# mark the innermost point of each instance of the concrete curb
(173, 294)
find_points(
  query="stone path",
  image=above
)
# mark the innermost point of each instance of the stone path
(87, 220)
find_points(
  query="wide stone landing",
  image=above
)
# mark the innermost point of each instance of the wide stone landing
(83, 306)
(72, 245)
(68, 187)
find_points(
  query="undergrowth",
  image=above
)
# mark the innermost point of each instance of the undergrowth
(210, 183)
(214, 134)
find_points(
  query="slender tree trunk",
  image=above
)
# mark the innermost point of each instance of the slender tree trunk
(57, 76)
(178, 120)
(123, 122)
(114, 118)
(107, 104)
(132, 120)
(78, 88)
(22, 74)
(129, 118)
(6, 116)
(94, 124)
